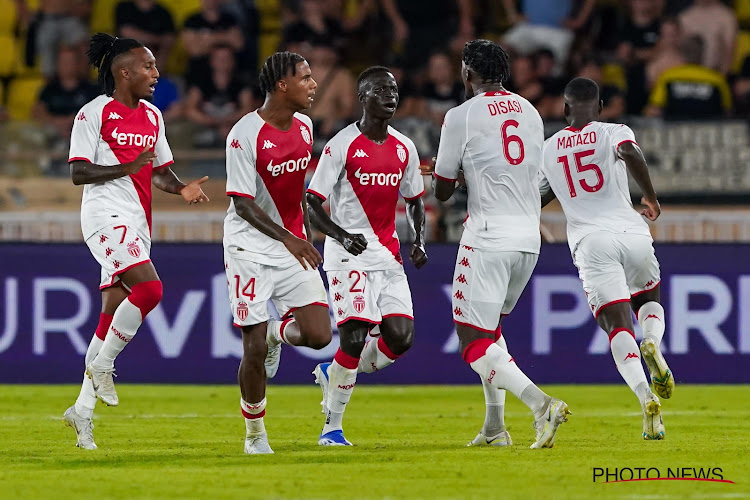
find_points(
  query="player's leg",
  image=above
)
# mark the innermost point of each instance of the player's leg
(80, 414)
(252, 379)
(644, 277)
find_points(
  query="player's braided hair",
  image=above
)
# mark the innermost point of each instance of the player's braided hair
(582, 90)
(275, 68)
(103, 49)
(366, 74)
(488, 60)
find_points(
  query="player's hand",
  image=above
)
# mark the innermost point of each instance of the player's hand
(652, 209)
(192, 192)
(418, 255)
(143, 159)
(303, 251)
(355, 244)
(428, 169)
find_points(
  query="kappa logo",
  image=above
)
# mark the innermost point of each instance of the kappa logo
(81, 117)
(458, 312)
(337, 297)
(117, 264)
(114, 116)
(235, 144)
(328, 151)
(360, 154)
(340, 312)
(102, 238)
(631, 355)
(335, 281)
(242, 311)
(108, 252)
(305, 134)
(268, 144)
(459, 295)
(465, 262)
(401, 153)
(461, 279)
(650, 283)
(470, 249)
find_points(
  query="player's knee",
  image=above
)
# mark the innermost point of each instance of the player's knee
(146, 295)
(353, 342)
(318, 337)
(400, 341)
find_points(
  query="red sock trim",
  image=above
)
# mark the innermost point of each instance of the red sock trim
(476, 350)
(345, 360)
(250, 416)
(283, 325)
(618, 330)
(498, 333)
(384, 349)
(146, 295)
(105, 320)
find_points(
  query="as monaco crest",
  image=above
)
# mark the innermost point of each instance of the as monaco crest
(359, 303)
(242, 311)
(401, 152)
(305, 135)
(134, 249)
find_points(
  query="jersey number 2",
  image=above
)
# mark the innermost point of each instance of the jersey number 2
(508, 139)
(581, 167)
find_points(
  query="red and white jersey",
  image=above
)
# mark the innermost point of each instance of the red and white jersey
(267, 165)
(497, 138)
(106, 132)
(591, 181)
(363, 180)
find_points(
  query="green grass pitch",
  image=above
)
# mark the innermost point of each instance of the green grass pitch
(186, 442)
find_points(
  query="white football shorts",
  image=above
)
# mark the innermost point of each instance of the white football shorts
(487, 285)
(118, 247)
(252, 284)
(615, 267)
(369, 295)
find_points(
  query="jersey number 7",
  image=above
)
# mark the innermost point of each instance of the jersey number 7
(581, 167)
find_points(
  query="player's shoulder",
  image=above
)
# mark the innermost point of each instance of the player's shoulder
(95, 106)
(401, 138)
(248, 125)
(304, 119)
(612, 129)
(151, 106)
(344, 137)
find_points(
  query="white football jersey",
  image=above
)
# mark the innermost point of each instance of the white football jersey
(106, 132)
(268, 166)
(363, 180)
(583, 170)
(497, 138)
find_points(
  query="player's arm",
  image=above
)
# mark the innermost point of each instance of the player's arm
(545, 190)
(165, 179)
(634, 160)
(415, 216)
(450, 152)
(83, 172)
(302, 250)
(355, 244)
(306, 218)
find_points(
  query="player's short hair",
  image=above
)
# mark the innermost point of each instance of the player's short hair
(488, 60)
(103, 50)
(582, 90)
(275, 68)
(369, 73)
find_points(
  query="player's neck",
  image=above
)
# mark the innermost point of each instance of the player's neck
(374, 129)
(489, 87)
(126, 99)
(582, 121)
(276, 114)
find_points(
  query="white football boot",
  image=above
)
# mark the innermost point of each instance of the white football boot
(84, 428)
(502, 439)
(257, 444)
(546, 426)
(104, 384)
(653, 426)
(321, 378)
(661, 375)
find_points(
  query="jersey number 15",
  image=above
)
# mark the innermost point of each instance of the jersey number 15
(581, 167)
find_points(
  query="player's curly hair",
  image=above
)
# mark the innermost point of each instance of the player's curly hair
(366, 74)
(275, 68)
(103, 49)
(488, 60)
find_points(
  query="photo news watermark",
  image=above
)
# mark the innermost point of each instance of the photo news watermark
(627, 474)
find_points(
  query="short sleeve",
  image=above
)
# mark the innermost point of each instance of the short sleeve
(163, 152)
(543, 183)
(451, 148)
(412, 185)
(620, 135)
(329, 169)
(241, 172)
(84, 137)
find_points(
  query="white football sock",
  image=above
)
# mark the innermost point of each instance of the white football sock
(627, 357)
(282, 332)
(341, 382)
(651, 319)
(494, 399)
(125, 323)
(86, 401)
(373, 358)
(253, 413)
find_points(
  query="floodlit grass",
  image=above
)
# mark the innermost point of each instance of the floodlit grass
(186, 442)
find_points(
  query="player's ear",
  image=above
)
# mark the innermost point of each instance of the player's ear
(566, 109)
(281, 85)
(601, 105)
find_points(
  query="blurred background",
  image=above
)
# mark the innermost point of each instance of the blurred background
(676, 71)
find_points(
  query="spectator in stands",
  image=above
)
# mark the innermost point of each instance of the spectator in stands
(523, 80)
(217, 102)
(209, 28)
(313, 21)
(442, 91)
(667, 53)
(612, 97)
(336, 97)
(64, 95)
(545, 24)
(148, 22)
(690, 91)
(409, 100)
(716, 24)
(638, 37)
(419, 26)
(168, 99)
(56, 23)
(551, 104)
(741, 88)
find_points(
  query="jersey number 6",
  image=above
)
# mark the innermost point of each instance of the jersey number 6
(507, 139)
(582, 167)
